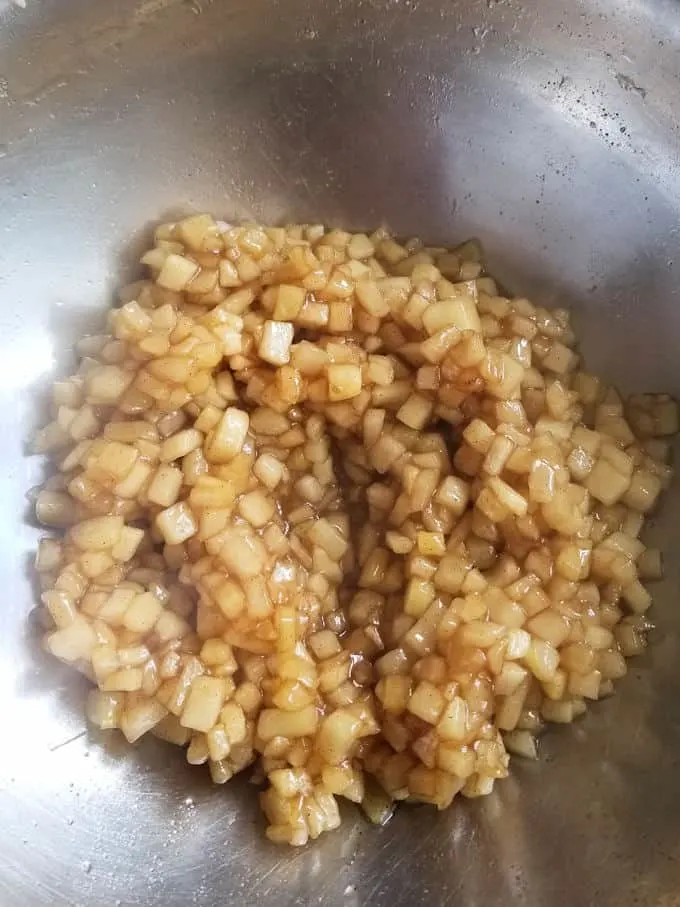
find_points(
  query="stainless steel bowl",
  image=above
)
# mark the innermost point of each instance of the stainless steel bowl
(551, 131)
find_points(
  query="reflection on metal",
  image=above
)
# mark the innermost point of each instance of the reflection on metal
(550, 130)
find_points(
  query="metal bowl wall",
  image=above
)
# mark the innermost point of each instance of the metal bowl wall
(551, 131)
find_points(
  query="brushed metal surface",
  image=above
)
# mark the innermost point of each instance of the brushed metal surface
(549, 129)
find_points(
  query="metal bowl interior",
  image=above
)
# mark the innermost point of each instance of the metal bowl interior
(549, 130)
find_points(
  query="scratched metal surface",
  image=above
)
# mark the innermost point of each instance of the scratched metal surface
(549, 129)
